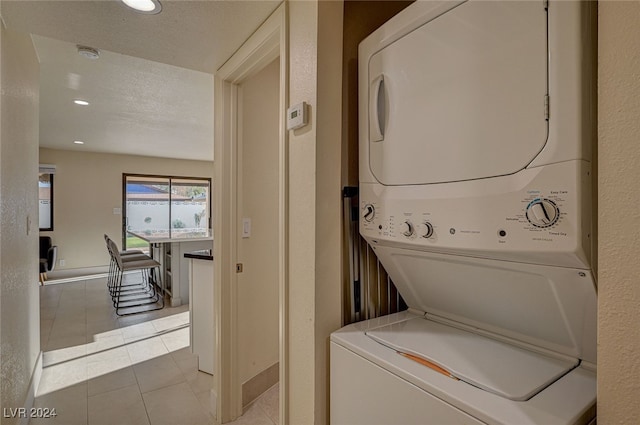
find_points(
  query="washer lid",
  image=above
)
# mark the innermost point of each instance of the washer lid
(462, 97)
(495, 366)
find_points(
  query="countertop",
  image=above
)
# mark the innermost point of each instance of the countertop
(203, 254)
(175, 236)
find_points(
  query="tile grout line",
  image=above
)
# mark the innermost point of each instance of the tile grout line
(144, 403)
(135, 375)
(53, 321)
(205, 412)
(264, 411)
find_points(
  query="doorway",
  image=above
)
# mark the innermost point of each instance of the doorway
(251, 271)
(257, 232)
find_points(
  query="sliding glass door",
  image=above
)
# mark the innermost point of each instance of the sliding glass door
(164, 206)
(190, 206)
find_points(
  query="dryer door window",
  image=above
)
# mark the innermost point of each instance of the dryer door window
(462, 97)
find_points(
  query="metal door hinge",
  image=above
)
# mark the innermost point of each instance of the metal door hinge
(546, 107)
(239, 268)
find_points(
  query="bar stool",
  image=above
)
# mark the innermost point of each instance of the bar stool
(126, 255)
(127, 299)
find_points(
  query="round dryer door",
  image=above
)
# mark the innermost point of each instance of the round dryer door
(462, 97)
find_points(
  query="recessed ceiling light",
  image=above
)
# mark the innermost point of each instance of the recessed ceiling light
(150, 7)
(88, 52)
(78, 142)
(81, 102)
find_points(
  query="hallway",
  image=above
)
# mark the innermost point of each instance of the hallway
(99, 368)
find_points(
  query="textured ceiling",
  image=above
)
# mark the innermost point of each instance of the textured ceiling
(151, 91)
(198, 35)
(136, 106)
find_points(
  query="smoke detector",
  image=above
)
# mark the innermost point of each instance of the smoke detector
(88, 52)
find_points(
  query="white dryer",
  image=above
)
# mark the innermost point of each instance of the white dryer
(476, 126)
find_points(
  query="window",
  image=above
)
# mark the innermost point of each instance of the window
(164, 206)
(45, 197)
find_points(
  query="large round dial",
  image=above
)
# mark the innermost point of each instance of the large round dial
(406, 228)
(368, 212)
(425, 229)
(542, 212)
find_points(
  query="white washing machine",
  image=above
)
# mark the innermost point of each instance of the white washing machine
(476, 126)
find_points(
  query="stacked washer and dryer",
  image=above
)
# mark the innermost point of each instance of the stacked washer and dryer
(476, 126)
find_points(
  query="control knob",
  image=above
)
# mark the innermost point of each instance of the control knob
(368, 212)
(542, 212)
(406, 228)
(425, 230)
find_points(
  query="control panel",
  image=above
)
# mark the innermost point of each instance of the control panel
(544, 221)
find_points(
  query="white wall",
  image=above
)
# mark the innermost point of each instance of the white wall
(19, 297)
(315, 204)
(87, 187)
(303, 24)
(619, 197)
(258, 332)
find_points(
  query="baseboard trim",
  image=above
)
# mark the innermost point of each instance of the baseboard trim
(256, 386)
(33, 389)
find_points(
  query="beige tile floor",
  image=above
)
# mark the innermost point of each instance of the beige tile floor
(99, 368)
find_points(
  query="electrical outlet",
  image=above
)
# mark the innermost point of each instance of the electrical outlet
(61, 262)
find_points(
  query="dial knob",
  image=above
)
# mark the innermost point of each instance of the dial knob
(368, 212)
(425, 230)
(406, 228)
(542, 212)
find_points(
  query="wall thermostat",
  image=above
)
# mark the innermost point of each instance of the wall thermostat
(297, 116)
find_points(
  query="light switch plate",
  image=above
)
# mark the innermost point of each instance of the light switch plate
(246, 227)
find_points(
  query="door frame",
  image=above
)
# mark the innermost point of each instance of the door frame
(270, 41)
